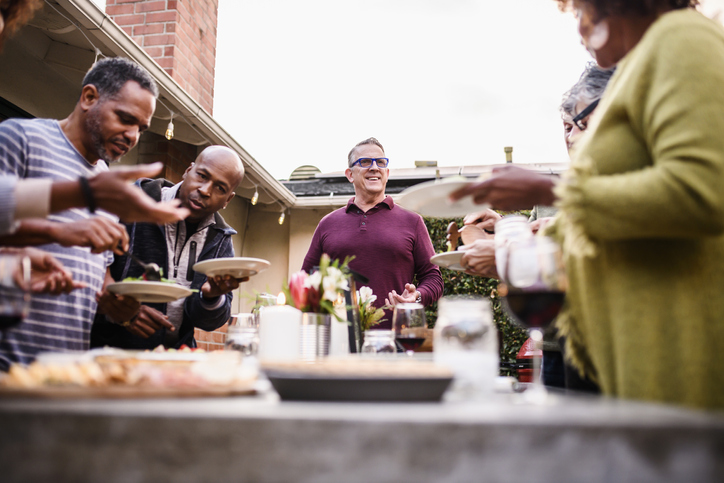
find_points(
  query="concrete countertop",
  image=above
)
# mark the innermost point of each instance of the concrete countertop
(261, 438)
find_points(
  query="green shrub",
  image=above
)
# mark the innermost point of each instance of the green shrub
(510, 336)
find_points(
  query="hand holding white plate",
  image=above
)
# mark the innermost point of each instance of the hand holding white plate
(432, 199)
(449, 260)
(237, 267)
(154, 292)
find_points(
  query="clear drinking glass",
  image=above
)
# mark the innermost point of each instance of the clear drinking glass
(243, 320)
(379, 342)
(534, 293)
(14, 289)
(242, 334)
(408, 321)
(466, 342)
(242, 339)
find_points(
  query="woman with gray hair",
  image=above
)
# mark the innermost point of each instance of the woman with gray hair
(581, 100)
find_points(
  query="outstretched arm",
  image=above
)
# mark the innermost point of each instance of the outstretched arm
(47, 274)
(112, 191)
(511, 188)
(98, 233)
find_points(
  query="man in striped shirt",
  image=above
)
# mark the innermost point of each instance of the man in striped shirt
(116, 104)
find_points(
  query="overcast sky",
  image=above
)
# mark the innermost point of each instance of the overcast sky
(301, 82)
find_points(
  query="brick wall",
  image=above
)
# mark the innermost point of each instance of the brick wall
(176, 155)
(211, 341)
(179, 34)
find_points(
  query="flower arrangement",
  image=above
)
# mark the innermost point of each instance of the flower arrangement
(368, 314)
(318, 292)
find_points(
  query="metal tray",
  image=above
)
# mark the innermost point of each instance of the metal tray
(306, 387)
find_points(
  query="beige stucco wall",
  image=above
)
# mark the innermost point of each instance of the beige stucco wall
(302, 223)
(268, 240)
(235, 215)
(283, 245)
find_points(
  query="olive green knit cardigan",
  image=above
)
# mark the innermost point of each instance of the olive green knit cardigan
(642, 222)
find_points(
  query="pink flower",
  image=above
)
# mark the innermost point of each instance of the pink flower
(300, 293)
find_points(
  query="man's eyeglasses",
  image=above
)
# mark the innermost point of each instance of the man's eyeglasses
(367, 162)
(584, 114)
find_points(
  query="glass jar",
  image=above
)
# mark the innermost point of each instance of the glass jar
(466, 341)
(242, 339)
(243, 320)
(379, 342)
(508, 229)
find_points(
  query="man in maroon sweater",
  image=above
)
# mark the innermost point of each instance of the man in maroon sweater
(390, 244)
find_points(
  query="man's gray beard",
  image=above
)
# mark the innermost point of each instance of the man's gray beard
(93, 126)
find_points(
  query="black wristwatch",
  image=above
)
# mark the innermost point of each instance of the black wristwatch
(419, 297)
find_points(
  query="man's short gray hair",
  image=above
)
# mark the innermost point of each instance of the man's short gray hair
(350, 157)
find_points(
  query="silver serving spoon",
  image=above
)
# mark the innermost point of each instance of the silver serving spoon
(151, 271)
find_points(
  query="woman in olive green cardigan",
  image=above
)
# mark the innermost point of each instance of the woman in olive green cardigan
(642, 207)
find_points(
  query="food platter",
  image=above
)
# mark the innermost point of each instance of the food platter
(119, 374)
(431, 199)
(237, 267)
(153, 292)
(449, 260)
(126, 392)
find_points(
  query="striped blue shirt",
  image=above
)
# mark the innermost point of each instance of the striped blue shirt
(38, 148)
(7, 203)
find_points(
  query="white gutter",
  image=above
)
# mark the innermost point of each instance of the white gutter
(102, 27)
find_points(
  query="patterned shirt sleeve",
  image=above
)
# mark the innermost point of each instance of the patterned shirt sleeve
(7, 204)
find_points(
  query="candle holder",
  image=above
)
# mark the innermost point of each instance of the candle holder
(314, 335)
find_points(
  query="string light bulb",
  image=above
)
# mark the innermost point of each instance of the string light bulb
(255, 198)
(281, 217)
(169, 128)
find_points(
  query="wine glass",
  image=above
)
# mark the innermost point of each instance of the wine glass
(410, 326)
(14, 289)
(535, 289)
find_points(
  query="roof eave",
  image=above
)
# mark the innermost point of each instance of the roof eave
(107, 32)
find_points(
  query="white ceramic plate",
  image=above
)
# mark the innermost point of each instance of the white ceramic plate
(236, 267)
(449, 260)
(431, 199)
(154, 292)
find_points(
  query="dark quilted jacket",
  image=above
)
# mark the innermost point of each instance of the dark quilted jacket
(148, 242)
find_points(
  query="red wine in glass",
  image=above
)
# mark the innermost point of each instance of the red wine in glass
(535, 284)
(534, 308)
(410, 343)
(408, 322)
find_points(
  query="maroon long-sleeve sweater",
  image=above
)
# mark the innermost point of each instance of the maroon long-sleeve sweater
(390, 244)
